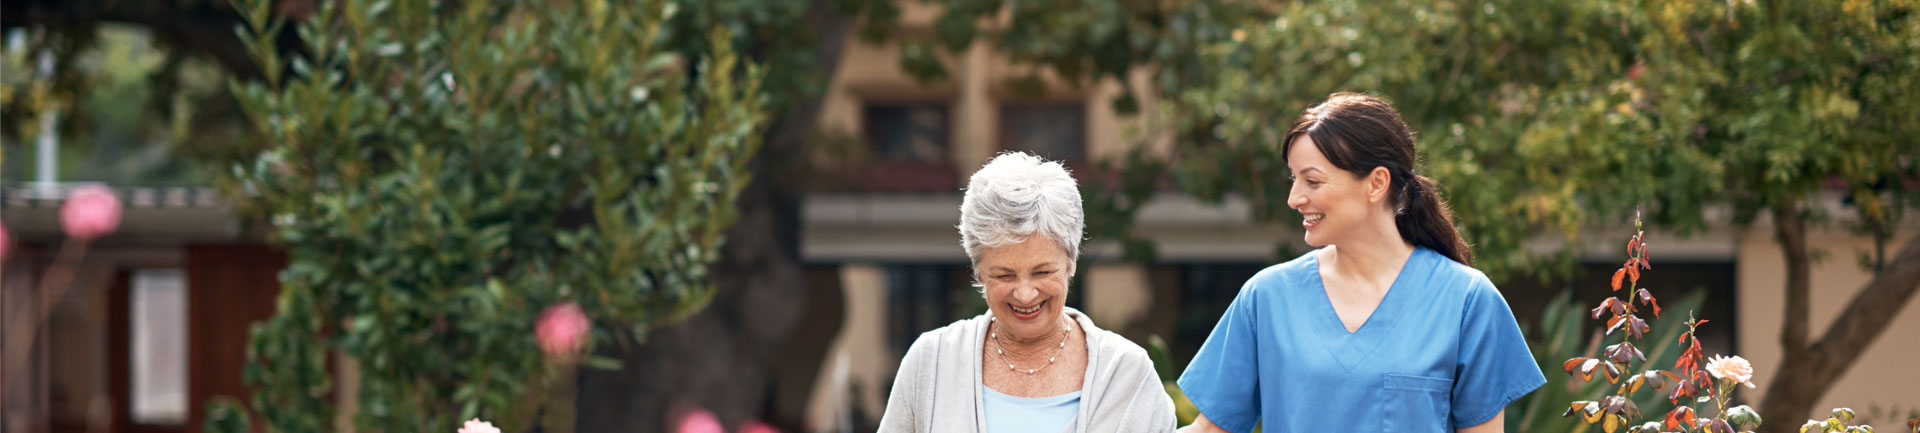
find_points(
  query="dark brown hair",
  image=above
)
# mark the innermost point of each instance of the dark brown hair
(1359, 132)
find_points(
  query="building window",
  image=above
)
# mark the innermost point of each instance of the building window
(158, 312)
(910, 149)
(1053, 131)
(908, 132)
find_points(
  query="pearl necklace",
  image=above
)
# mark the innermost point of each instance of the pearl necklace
(1000, 347)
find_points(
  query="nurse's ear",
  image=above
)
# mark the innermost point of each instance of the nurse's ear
(1379, 183)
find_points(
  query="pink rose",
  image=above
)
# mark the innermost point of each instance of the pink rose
(699, 421)
(1733, 368)
(757, 427)
(91, 211)
(562, 329)
(478, 426)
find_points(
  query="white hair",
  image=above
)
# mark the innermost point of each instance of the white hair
(1015, 196)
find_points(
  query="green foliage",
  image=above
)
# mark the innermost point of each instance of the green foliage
(1080, 42)
(1839, 422)
(1546, 116)
(440, 173)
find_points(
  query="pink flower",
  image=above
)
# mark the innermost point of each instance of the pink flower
(562, 329)
(478, 426)
(1732, 368)
(757, 427)
(699, 421)
(91, 211)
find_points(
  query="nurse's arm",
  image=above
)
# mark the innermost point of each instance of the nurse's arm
(1496, 425)
(1202, 425)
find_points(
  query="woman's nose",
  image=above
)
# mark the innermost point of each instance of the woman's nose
(1295, 199)
(1026, 293)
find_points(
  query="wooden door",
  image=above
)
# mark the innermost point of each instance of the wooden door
(229, 288)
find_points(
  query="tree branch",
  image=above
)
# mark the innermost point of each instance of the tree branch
(1813, 369)
(1790, 230)
(1866, 317)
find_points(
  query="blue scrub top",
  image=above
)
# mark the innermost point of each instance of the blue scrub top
(1441, 351)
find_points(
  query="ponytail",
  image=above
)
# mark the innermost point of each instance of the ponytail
(1425, 220)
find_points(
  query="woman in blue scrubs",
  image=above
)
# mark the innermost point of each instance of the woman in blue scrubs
(1386, 327)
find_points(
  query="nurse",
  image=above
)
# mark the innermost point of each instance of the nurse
(1386, 327)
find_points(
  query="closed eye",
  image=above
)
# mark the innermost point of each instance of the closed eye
(1007, 278)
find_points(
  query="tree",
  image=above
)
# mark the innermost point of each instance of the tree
(440, 174)
(1543, 117)
(757, 275)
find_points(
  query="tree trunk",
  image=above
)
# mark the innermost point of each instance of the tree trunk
(1807, 370)
(744, 357)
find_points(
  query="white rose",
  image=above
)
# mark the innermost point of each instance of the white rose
(1733, 368)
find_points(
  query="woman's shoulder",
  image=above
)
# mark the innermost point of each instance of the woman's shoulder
(1469, 280)
(1289, 271)
(1459, 285)
(954, 336)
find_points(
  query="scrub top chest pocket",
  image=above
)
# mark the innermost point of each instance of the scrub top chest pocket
(1416, 404)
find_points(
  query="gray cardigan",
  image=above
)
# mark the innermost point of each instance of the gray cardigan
(938, 386)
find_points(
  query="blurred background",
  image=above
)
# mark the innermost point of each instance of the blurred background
(351, 223)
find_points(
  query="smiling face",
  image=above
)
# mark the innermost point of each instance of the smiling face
(1334, 203)
(1026, 286)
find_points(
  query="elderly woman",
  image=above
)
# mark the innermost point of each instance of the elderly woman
(1030, 364)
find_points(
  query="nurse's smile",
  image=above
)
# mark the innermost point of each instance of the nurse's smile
(1308, 220)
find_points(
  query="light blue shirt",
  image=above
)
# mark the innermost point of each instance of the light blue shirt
(1009, 414)
(1441, 351)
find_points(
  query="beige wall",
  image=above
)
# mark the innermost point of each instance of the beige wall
(1883, 376)
(1116, 295)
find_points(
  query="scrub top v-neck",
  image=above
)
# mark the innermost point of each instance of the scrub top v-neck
(1441, 351)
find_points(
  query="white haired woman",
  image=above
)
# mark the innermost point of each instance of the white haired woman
(1029, 364)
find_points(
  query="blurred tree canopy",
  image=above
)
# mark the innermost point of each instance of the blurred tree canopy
(441, 173)
(1547, 117)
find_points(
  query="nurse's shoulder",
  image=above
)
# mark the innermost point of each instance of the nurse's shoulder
(1281, 276)
(1460, 281)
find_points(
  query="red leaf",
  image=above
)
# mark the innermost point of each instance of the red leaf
(1571, 363)
(1633, 272)
(1646, 297)
(1644, 261)
(1682, 415)
(1617, 275)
